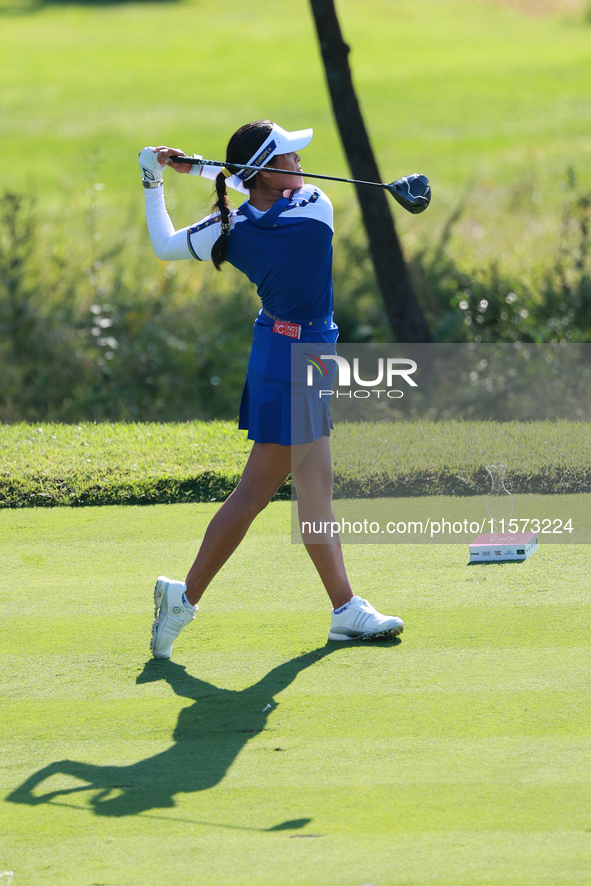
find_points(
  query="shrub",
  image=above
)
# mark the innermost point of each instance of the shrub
(89, 334)
(108, 340)
(483, 304)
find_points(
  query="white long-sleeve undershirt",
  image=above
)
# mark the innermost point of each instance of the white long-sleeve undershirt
(168, 244)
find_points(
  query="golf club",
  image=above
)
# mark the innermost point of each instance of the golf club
(413, 192)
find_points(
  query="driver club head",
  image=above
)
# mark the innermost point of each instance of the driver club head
(411, 191)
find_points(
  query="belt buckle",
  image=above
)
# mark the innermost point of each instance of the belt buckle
(291, 330)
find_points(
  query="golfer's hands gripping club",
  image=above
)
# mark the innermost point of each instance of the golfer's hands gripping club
(153, 162)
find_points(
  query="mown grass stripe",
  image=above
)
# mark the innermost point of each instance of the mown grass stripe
(457, 756)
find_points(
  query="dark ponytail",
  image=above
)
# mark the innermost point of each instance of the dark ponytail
(219, 250)
(241, 148)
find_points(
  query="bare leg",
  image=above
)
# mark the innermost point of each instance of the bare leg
(313, 479)
(267, 467)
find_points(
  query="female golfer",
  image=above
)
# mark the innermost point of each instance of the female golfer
(281, 238)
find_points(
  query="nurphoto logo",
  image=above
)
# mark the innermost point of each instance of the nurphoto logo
(396, 368)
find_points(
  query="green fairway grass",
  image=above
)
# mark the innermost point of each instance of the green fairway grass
(457, 756)
(491, 103)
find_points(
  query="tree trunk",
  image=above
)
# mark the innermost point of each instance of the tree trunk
(405, 316)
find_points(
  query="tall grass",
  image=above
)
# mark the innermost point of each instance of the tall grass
(548, 301)
(127, 463)
(109, 333)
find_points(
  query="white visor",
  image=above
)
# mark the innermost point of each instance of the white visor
(279, 141)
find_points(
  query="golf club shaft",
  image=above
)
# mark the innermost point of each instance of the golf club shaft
(332, 178)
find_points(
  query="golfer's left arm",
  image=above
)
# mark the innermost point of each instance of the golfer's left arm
(168, 244)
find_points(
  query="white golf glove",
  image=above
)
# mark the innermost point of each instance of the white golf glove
(151, 169)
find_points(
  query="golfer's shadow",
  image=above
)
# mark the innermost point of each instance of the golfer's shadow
(208, 737)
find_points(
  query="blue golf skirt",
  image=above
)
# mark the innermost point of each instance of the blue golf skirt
(278, 403)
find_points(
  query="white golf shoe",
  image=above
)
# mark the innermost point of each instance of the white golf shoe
(360, 621)
(171, 615)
